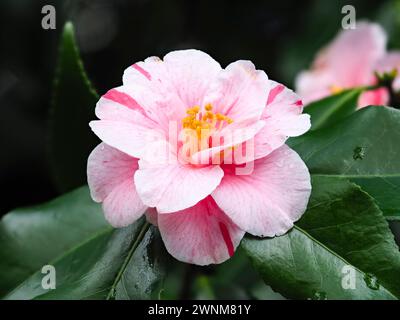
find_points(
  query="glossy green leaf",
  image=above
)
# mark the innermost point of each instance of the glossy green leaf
(364, 148)
(31, 237)
(92, 260)
(332, 109)
(395, 227)
(341, 228)
(228, 282)
(346, 219)
(74, 100)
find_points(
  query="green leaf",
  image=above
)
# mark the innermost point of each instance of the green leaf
(341, 227)
(364, 148)
(31, 237)
(74, 100)
(332, 109)
(203, 288)
(347, 220)
(174, 280)
(228, 281)
(92, 260)
(395, 227)
(221, 281)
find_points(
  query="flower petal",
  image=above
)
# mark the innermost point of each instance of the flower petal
(129, 138)
(283, 118)
(169, 185)
(149, 84)
(314, 85)
(118, 105)
(191, 72)
(347, 62)
(202, 234)
(240, 91)
(110, 178)
(390, 62)
(166, 88)
(231, 136)
(267, 201)
(152, 216)
(377, 97)
(123, 123)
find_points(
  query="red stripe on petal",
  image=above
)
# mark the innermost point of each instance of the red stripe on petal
(298, 103)
(142, 71)
(227, 238)
(122, 98)
(274, 92)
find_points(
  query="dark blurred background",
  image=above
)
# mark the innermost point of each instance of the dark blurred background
(280, 37)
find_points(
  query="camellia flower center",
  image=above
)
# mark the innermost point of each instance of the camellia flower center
(199, 126)
(336, 89)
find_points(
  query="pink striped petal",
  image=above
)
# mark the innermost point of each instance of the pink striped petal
(144, 72)
(267, 201)
(123, 123)
(166, 88)
(118, 105)
(283, 118)
(148, 83)
(202, 234)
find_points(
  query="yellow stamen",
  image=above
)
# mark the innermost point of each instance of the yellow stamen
(335, 89)
(204, 124)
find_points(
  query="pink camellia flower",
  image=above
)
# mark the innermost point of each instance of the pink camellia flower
(202, 195)
(349, 61)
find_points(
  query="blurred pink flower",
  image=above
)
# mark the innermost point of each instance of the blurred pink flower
(202, 207)
(350, 61)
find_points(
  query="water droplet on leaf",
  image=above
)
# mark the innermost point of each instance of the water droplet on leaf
(319, 295)
(358, 153)
(112, 294)
(371, 281)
